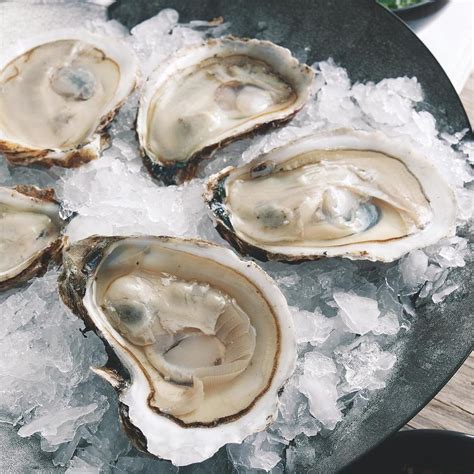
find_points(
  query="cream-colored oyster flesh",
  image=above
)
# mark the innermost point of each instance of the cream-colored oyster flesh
(206, 338)
(343, 193)
(339, 197)
(194, 335)
(209, 102)
(58, 93)
(208, 95)
(30, 233)
(68, 93)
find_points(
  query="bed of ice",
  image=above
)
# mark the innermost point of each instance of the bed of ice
(347, 314)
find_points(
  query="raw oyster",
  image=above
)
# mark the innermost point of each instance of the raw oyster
(209, 95)
(30, 233)
(58, 93)
(346, 193)
(203, 340)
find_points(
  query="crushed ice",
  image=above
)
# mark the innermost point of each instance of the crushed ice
(347, 314)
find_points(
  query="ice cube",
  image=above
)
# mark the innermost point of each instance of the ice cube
(318, 383)
(294, 417)
(360, 314)
(444, 293)
(311, 327)
(365, 364)
(413, 268)
(260, 451)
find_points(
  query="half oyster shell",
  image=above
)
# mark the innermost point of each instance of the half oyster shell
(346, 193)
(58, 93)
(206, 96)
(30, 233)
(203, 340)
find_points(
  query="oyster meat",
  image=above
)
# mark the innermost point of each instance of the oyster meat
(30, 233)
(344, 193)
(58, 93)
(209, 95)
(204, 340)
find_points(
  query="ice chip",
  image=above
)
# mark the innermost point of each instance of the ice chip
(360, 314)
(388, 324)
(259, 451)
(60, 423)
(443, 293)
(318, 383)
(413, 268)
(366, 365)
(311, 327)
(294, 417)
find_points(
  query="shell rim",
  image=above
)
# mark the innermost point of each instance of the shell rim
(177, 172)
(90, 147)
(214, 195)
(73, 290)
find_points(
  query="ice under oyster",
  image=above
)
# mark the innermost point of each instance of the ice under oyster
(30, 233)
(344, 193)
(209, 95)
(204, 340)
(58, 93)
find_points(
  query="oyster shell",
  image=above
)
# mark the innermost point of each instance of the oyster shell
(209, 95)
(346, 193)
(204, 340)
(30, 233)
(59, 92)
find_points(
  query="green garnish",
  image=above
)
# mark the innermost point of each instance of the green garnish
(395, 4)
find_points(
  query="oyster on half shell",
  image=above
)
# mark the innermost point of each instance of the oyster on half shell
(209, 95)
(346, 193)
(58, 92)
(30, 233)
(204, 340)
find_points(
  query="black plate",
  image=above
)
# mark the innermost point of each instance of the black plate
(372, 44)
(364, 37)
(433, 451)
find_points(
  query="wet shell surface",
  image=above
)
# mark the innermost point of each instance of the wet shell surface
(343, 193)
(207, 96)
(202, 341)
(58, 93)
(30, 233)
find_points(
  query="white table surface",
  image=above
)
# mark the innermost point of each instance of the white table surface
(448, 34)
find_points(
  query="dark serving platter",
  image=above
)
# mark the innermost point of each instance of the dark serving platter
(434, 451)
(372, 44)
